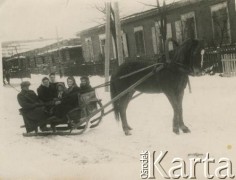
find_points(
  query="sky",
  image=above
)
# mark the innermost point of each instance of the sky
(34, 19)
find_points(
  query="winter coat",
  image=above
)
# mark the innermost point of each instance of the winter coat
(69, 102)
(85, 88)
(32, 110)
(45, 94)
(53, 87)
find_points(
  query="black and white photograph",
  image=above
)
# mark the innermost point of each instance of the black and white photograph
(117, 89)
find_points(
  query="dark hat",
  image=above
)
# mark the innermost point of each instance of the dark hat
(61, 84)
(45, 78)
(84, 77)
(52, 74)
(25, 84)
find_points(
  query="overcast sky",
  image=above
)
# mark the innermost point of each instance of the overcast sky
(32, 19)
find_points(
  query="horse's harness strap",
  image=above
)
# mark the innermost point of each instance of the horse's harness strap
(180, 67)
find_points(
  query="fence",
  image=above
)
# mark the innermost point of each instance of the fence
(221, 59)
(228, 58)
(229, 64)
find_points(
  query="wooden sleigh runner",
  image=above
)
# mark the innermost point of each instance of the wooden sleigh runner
(76, 121)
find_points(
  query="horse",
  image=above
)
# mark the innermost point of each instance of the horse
(170, 80)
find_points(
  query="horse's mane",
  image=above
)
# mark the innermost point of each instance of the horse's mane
(185, 51)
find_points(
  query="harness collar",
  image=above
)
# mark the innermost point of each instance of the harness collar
(180, 67)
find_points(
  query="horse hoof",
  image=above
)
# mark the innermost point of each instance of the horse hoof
(176, 131)
(185, 129)
(128, 133)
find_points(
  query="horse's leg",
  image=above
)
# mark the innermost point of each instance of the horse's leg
(174, 103)
(182, 126)
(124, 101)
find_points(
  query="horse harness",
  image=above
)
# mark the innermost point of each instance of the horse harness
(180, 68)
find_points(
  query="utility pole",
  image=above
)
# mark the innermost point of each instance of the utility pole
(118, 34)
(59, 55)
(158, 4)
(163, 29)
(19, 63)
(107, 43)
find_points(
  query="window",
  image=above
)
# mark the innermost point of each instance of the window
(89, 49)
(53, 60)
(139, 40)
(102, 40)
(220, 24)
(125, 44)
(157, 38)
(189, 26)
(154, 40)
(178, 31)
(67, 55)
(169, 35)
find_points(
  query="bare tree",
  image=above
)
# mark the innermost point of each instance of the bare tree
(162, 12)
(102, 9)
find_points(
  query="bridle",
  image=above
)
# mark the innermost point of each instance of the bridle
(189, 70)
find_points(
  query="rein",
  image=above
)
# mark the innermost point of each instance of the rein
(184, 69)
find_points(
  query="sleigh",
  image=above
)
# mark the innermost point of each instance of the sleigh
(75, 122)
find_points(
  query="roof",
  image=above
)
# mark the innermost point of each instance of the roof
(148, 13)
(60, 48)
(16, 57)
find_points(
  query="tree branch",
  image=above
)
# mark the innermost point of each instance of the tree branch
(150, 5)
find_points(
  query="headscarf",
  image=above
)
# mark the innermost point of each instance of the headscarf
(62, 85)
(60, 94)
(74, 83)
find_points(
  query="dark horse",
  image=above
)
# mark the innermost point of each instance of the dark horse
(171, 80)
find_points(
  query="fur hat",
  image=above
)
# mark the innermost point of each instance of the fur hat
(24, 84)
(61, 84)
(85, 78)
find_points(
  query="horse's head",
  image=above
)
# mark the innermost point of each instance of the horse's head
(189, 55)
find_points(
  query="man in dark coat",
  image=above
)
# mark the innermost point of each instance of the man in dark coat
(32, 108)
(53, 83)
(85, 85)
(6, 75)
(45, 93)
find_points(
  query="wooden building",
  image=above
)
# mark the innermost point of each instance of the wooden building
(214, 21)
(56, 57)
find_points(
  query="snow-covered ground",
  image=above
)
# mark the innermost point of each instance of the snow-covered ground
(105, 152)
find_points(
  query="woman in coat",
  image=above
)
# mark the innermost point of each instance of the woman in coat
(70, 100)
(85, 85)
(60, 91)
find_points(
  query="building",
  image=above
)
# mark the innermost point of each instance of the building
(56, 57)
(10, 48)
(214, 21)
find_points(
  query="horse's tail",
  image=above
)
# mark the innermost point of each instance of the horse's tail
(115, 104)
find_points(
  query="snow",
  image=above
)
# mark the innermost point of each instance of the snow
(105, 152)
